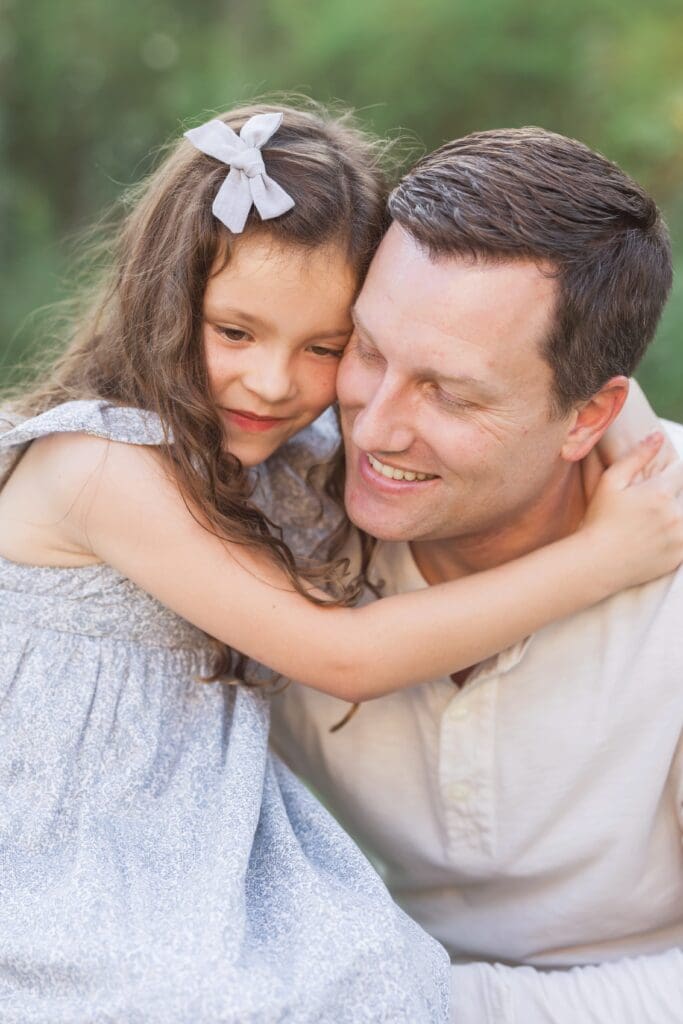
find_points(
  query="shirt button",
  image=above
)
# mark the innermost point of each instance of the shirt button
(459, 790)
(459, 712)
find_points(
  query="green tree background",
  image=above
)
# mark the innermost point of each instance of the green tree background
(91, 88)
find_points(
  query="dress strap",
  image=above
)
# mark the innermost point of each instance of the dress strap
(85, 416)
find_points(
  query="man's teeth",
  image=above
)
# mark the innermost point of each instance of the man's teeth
(397, 474)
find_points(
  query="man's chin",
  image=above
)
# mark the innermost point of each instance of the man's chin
(377, 525)
(381, 534)
(387, 508)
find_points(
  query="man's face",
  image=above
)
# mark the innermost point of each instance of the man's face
(443, 378)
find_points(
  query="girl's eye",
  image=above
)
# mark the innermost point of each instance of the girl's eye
(320, 350)
(233, 333)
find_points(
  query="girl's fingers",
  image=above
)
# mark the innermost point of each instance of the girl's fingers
(624, 471)
(671, 479)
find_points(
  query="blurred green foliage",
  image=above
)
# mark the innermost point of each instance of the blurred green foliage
(90, 89)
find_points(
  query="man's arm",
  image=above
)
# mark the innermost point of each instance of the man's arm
(639, 990)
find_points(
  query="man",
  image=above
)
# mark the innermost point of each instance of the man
(528, 812)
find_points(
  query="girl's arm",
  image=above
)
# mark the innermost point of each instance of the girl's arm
(636, 420)
(118, 502)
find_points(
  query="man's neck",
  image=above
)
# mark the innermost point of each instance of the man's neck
(555, 514)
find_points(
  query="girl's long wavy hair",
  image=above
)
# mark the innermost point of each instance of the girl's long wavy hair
(137, 340)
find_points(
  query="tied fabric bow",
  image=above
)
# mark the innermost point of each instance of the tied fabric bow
(247, 184)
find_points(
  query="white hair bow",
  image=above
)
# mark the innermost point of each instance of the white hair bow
(247, 184)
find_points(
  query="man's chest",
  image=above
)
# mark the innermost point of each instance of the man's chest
(535, 760)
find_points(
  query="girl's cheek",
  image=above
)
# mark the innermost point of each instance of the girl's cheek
(225, 366)
(215, 361)
(330, 390)
(323, 387)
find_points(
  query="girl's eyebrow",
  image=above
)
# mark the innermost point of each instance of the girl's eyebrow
(336, 333)
(230, 313)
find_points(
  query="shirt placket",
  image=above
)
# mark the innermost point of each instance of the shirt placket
(467, 761)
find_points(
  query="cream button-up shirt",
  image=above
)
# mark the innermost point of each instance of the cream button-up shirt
(532, 821)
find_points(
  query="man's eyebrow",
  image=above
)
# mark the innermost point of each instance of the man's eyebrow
(485, 389)
(430, 372)
(458, 378)
(359, 325)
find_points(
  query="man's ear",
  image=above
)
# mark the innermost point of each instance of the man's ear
(593, 418)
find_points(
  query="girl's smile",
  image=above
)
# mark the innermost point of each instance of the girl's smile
(250, 421)
(276, 321)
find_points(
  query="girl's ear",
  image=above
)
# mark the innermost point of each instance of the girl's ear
(593, 418)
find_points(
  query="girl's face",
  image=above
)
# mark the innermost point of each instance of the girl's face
(276, 321)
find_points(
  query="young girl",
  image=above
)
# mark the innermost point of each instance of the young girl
(157, 863)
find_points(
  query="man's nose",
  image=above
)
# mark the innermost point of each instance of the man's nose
(271, 379)
(383, 424)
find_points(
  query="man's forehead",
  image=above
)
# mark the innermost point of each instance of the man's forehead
(401, 259)
(491, 314)
(422, 353)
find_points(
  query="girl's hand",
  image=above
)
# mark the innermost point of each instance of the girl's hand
(636, 522)
(635, 421)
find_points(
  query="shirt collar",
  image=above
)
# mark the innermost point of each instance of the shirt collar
(394, 564)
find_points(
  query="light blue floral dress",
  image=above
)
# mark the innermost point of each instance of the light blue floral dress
(157, 863)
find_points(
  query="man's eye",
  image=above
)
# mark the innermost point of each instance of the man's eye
(452, 402)
(448, 400)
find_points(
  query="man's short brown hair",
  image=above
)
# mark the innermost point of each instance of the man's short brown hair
(529, 193)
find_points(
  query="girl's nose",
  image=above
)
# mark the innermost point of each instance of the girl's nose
(272, 380)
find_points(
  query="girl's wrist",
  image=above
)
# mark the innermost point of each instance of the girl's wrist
(592, 558)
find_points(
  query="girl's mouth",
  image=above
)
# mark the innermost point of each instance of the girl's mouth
(250, 421)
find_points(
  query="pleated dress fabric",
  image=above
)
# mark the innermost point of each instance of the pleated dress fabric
(157, 862)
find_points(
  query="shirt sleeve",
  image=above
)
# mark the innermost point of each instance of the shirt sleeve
(639, 990)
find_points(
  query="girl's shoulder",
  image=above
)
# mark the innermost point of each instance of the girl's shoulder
(75, 451)
(94, 417)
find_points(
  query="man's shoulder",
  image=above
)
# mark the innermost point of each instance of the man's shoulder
(675, 432)
(661, 598)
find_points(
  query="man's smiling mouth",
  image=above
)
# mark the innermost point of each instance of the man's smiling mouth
(392, 473)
